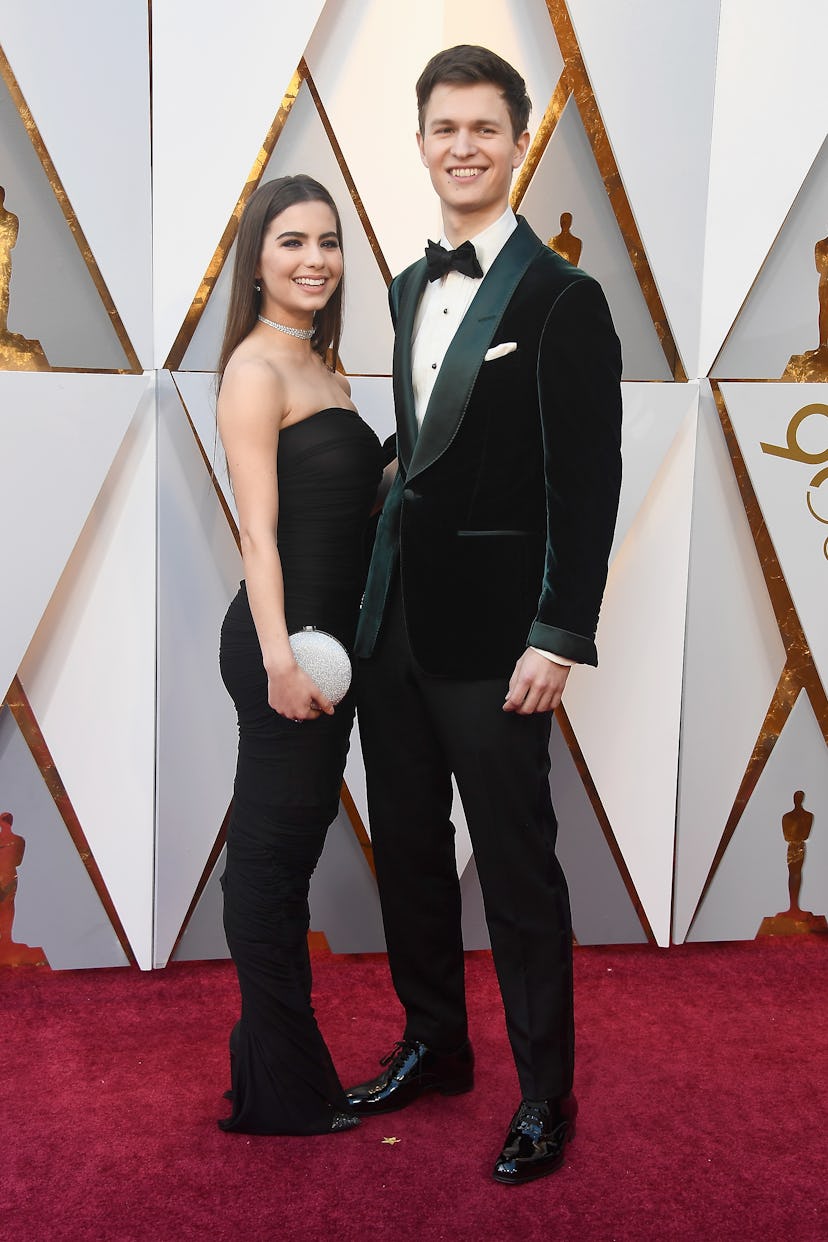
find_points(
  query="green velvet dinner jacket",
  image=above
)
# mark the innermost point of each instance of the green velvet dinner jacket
(501, 517)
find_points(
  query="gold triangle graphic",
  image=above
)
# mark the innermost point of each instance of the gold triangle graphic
(575, 83)
(799, 674)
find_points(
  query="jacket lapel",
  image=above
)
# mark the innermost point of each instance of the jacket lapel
(464, 358)
(403, 389)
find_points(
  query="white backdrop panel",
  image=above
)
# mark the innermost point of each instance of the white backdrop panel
(365, 57)
(770, 119)
(784, 486)
(568, 179)
(218, 81)
(520, 31)
(656, 101)
(60, 434)
(780, 316)
(89, 96)
(733, 660)
(198, 574)
(367, 339)
(53, 298)
(90, 670)
(56, 908)
(198, 392)
(652, 416)
(637, 686)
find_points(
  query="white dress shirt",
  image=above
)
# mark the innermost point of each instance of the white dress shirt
(442, 306)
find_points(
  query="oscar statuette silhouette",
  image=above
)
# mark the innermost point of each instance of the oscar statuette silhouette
(796, 828)
(12, 848)
(812, 366)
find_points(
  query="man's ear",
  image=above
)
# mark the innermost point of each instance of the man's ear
(521, 147)
(421, 148)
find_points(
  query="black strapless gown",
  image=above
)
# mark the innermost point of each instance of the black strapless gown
(288, 777)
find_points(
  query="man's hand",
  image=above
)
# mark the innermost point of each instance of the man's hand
(536, 685)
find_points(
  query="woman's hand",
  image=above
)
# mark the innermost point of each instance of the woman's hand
(295, 695)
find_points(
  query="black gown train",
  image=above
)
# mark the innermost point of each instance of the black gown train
(286, 791)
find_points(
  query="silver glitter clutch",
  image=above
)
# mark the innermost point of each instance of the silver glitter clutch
(324, 659)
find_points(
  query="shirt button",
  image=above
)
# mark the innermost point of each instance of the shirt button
(434, 366)
(445, 310)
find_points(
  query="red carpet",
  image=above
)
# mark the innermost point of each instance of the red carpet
(702, 1078)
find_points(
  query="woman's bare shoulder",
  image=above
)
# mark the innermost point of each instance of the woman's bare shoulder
(251, 385)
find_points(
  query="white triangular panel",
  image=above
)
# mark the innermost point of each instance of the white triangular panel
(367, 90)
(567, 179)
(367, 339)
(781, 315)
(58, 437)
(734, 658)
(344, 902)
(638, 684)
(602, 911)
(751, 881)
(204, 939)
(218, 81)
(373, 396)
(89, 675)
(770, 120)
(785, 487)
(656, 101)
(198, 574)
(90, 100)
(653, 414)
(56, 908)
(53, 298)
(197, 390)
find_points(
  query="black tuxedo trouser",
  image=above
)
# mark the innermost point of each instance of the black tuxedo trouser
(416, 731)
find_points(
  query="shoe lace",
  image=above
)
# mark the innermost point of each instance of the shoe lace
(530, 1117)
(397, 1054)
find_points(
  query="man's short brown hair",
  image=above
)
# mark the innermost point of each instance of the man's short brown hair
(466, 64)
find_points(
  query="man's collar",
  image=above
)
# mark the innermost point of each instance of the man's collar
(491, 241)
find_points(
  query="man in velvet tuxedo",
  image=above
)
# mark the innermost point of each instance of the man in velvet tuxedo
(485, 585)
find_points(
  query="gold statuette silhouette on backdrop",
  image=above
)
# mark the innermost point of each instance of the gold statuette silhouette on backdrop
(812, 366)
(565, 243)
(796, 827)
(12, 848)
(16, 352)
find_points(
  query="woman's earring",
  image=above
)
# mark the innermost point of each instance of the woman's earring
(257, 286)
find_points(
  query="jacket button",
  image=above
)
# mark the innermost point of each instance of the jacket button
(409, 493)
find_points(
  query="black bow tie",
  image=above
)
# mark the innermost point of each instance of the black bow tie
(439, 261)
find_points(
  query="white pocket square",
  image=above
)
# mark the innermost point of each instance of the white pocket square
(500, 351)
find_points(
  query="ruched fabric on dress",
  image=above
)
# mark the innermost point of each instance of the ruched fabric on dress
(288, 778)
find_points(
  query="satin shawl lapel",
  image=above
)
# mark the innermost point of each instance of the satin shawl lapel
(462, 363)
(403, 388)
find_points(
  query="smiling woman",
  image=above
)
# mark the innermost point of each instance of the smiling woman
(305, 471)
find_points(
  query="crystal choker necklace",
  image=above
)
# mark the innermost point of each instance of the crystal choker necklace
(303, 334)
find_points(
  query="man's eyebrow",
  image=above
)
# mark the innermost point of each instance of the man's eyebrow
(448, 120)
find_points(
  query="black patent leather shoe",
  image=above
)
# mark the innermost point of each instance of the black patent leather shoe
(411, 1069)
(538, 1134)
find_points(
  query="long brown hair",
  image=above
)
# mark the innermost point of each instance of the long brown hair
(264, 204)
